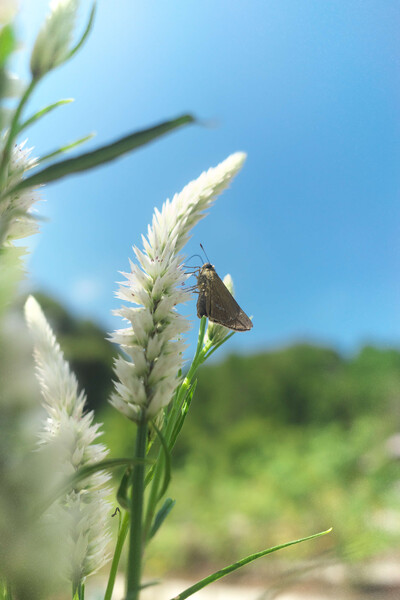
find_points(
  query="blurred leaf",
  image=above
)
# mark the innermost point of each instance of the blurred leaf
(66, 148)
(161, 516)
(7, 43)
(102, 155)
(85, 33)
(43, 112)
(87, 471)
(241, 563)
(122, 493)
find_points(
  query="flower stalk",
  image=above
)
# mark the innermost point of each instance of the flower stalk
(149, 372)
(134, 570)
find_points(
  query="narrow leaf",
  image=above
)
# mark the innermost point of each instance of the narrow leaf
(85, 33)
(108, 463)
(122, 493)
(102, 155)
(85, 472)
(161, 516)
(240, 563)
(150, 584)
(183, 412)
(7, 43)
(43, 112)
(123, 530)
(167, 466)
(66, 148)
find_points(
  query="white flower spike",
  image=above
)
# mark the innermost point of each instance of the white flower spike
(16, 219)
(71, 435)
(153, 340)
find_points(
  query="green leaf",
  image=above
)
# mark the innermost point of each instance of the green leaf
(122, 493)
(43, 112)
(183, 412)
(85, 33)
(85, 472)
(66, 148)
(161, 516)
(149, 584)
(167, 466)
(123, 530)
(240, 563)
(108, 463)
(7, 43)
(102, 155)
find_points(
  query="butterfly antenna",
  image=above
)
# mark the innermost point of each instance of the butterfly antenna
(205, 253)
(193, 255)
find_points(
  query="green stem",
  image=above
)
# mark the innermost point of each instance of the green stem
(197, 361)
(13, 131)
(172, 419)
(153, 495)
(117, 555)
(78, 591)
(134, 570)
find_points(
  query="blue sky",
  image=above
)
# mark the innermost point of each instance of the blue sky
(309, 230)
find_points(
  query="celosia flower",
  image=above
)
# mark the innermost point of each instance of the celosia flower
(16, 220)
(71, 435)
(53, 42)
(153, 339)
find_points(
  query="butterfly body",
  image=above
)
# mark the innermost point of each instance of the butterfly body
(217, 303)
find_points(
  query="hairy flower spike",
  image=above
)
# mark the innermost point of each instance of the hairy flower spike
(16, 220)
(53, 42)
(71, 435)
(153, 339)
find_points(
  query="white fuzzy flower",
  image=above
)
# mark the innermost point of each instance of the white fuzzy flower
(71, 435)
(53, 42)
(16, 220)
(153, 340)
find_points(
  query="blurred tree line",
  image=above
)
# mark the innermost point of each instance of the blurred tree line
(299, 385)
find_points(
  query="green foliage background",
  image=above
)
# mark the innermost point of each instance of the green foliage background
(277, 445)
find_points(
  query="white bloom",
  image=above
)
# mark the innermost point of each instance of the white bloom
(216, 333)
(16, 220)
(71, 434)
(153, 340)
(53, 42)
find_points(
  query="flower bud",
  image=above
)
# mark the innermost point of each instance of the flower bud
(53, 42)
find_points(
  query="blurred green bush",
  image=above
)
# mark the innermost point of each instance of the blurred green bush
(277, 445)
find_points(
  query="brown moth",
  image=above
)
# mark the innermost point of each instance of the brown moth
(217, 303)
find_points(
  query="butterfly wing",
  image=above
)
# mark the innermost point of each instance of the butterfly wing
(221, 307)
